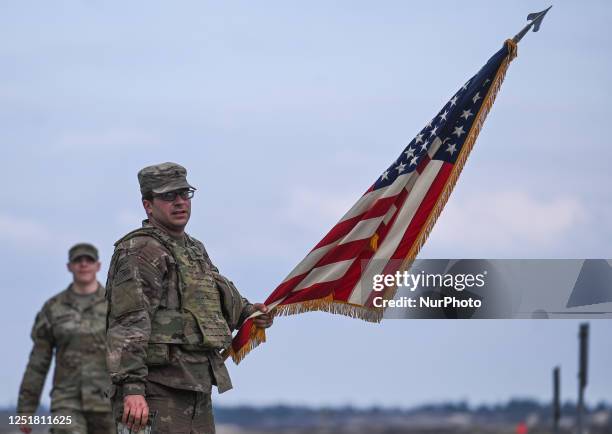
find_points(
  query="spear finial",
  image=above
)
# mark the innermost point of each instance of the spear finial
(536, 21)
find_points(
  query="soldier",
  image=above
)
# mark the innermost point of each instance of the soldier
(71, 324)
(170, 314)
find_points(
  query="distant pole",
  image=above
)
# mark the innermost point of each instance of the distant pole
(582, 373)
(556, 400)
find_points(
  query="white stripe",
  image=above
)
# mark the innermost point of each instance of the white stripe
(395, 235)
(410, 184)
(310, 261)
(326, 273)
(397, 186)
(363, 229)
(434, 147)
(390, 214)
(366, 201)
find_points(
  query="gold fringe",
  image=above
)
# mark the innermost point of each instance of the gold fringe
(256, 337)
(328, 304)
(374, 242)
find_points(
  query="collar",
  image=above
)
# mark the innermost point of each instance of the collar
(146, 223)
(69, 296)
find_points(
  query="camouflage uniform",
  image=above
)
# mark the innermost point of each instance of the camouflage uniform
(170, 314)
(73, 328)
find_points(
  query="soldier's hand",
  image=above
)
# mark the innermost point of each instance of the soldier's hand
(135, 412)
(264, 321)
(25, 428)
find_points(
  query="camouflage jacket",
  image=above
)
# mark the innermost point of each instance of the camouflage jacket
(74, 331)
(143, 278)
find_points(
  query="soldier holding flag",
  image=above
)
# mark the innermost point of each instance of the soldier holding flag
(170, 315)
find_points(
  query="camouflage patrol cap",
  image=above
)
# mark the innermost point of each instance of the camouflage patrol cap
(82, 249)
(163, 177)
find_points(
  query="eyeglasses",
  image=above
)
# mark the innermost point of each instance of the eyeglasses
(170, 196)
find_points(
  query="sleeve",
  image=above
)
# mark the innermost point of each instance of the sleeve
(38, 365)
(236, 309)
(134, 293)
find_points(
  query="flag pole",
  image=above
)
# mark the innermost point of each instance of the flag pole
(536, 20)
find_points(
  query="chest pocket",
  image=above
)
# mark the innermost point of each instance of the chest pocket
(201, 298)
(195, 320)
(65, 325)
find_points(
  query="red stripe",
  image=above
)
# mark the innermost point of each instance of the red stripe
(339, 253)
(342, 228)
(338, 231)
(285, 288)
(344, 289)
(423, 211)
(341, 288)
(349, 250)
(313, 292)
(416, 224)
(343, 252)
(242, 337)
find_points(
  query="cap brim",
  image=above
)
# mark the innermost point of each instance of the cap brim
(175, 185)
(78, 254)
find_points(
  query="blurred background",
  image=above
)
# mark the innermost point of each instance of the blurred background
(284, 114)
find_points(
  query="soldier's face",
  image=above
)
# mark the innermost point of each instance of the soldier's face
(84, 269)
(173, 214)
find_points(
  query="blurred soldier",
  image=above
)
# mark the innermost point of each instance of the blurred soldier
(170, 315)
(71, 324)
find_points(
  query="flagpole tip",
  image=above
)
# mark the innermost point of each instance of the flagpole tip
(536, 21)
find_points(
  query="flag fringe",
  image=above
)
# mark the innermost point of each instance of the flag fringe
(257, 336)
(328, 304)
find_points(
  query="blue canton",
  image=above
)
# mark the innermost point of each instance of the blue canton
(451, 125)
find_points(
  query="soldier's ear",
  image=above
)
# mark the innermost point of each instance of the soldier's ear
(98, 265)
(148, 206)
(68, 267)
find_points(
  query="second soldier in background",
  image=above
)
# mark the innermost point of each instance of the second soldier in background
(71, 326)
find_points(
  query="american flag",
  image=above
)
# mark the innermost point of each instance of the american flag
(383, 232)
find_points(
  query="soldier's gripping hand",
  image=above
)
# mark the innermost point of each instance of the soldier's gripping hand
(263, 321)
(25, 428)
(135, 412)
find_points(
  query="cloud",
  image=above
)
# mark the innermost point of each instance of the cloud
(507, 219)
(317, 210)
(26, 232)
(303, 216)
(110, 138)
(17, 230)
(129, 218)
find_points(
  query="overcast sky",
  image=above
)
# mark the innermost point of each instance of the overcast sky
(284, 114)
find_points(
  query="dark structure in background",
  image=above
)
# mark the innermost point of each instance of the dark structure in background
(556, 406)
(582, 374)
